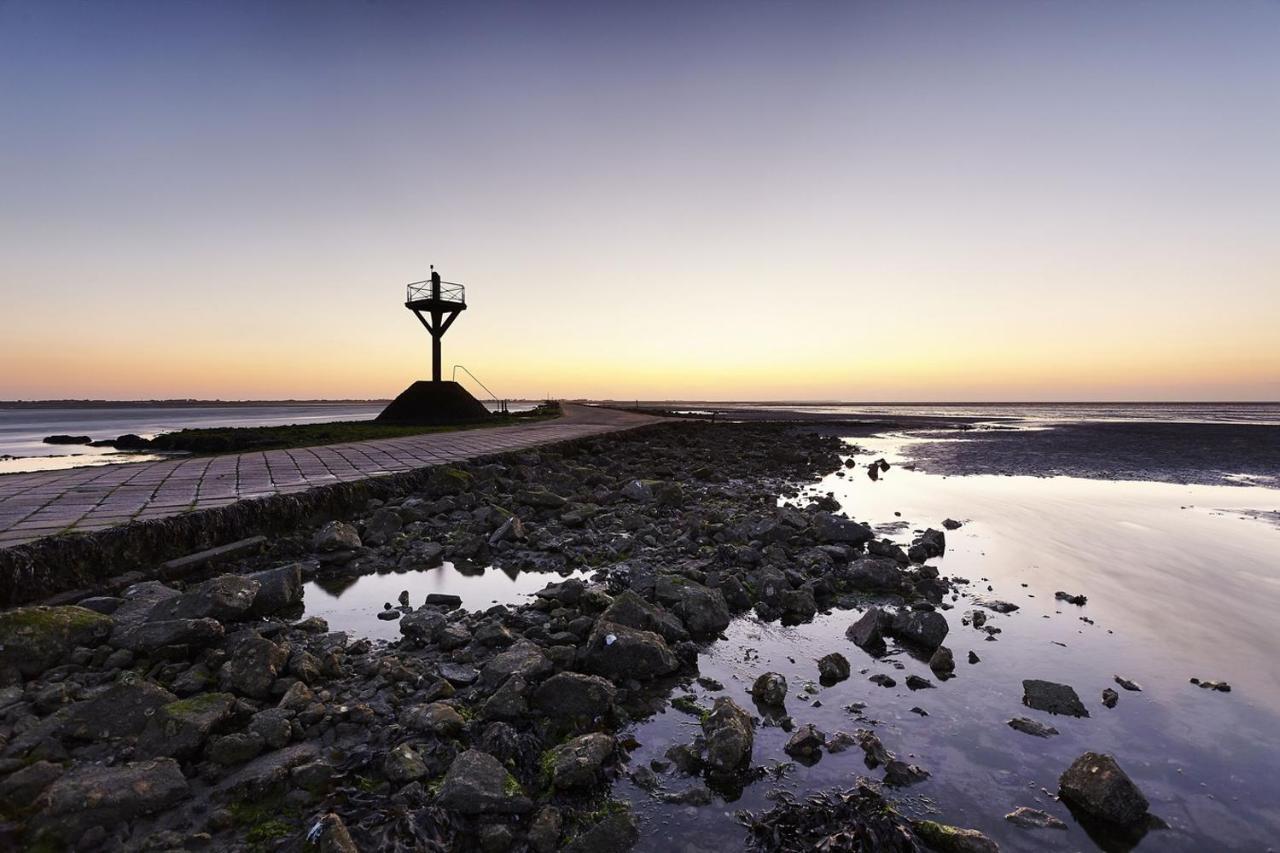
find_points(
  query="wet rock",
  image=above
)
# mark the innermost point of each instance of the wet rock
(1095, 784)
(93, 795)
(278, 589)
(632, 611)
(21, 788)
(703, 611)
(1031, 727)
(1128, 685)
(875, 574)
(806, 743)
(883, 680)
(179, 729)
(729, 734)
(122, 710)
(150, 636)
(833, 668)
(618, 652)
(544, 830)
(477, 783)
(1078, 600)
(1220, 686)
(403, 764)
(523, 658)
(272, 725)
(253, 666)
(459, 674)
(388, 615)
(1110, 697)
(855, 820)
(436, 718)
(384, 524)
(953, 839)
(335, 536)
(226, 598)
(868, 632)
(33, 639)
(770, 689)
(900, 774)
(1052, 697)
(973, 657)
(931, 543)
(508, 701)
(797, 605)
(579, 763)
(574, 696)
(833, 529)
(923, 628)
(952, 524)
(1029, 818)
(942, 662)
(873, 751)
(445, 600)
(617, 832)
(915, 682)
(235, 748)
(996, 605)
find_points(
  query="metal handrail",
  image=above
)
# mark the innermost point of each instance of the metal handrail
(458, 367)
(449, 292)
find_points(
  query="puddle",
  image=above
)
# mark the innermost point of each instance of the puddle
(352, 604)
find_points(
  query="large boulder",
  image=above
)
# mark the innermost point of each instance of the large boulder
(278, 589)
(33, 639)
(631, 610)
(423, 624)
(923, 628)
(226, 598)
(180, 728)
(523, 658)
(253, 666)
(92, 795)
(579, 763)
(702, 610)
(574, 696)
(618, 652)
(868, 632)
(875, 574)
(1095, 784)
(1052, 697)
(335, 536)
(831, 529)
(122, 710)
(477, 783)
(729, 734)
(149, 636)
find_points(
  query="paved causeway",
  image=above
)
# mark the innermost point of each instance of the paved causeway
(91, 498)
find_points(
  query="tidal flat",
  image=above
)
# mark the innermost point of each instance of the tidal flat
(651, 679)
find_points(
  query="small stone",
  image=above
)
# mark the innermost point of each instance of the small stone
(1110, 697)
(770, 689)
(833, 668)
(1052, 697)
(1032, 727)
(1128, 685)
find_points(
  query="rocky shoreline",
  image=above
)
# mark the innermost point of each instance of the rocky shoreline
(209, 713)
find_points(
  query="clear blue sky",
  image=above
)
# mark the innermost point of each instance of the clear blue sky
(1030, 200)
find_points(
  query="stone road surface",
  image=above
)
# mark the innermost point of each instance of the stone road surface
(91, 498)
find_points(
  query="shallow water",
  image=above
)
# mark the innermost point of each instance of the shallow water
(1181, 581)
(353, 604)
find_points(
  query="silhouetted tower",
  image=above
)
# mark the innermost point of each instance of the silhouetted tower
(442, 301)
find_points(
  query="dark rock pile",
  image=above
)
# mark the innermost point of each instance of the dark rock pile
(168, 717)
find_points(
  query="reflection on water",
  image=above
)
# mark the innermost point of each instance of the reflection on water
(1176, 588)
(352, 604)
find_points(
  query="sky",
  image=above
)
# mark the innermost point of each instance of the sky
(874, 201)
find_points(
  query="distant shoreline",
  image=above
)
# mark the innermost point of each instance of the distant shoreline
(176, 404)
